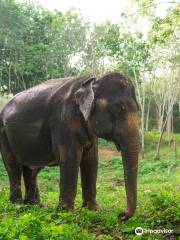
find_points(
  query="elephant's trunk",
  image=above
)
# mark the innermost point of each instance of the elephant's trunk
(130, 150)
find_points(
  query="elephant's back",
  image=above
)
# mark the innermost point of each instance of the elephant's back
(34, 102)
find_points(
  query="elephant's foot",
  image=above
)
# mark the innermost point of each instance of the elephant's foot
(32, 202)
(93, 206)
(124, 215)
(16, 198)
(32, 198)
(29, 203)
(66, 207)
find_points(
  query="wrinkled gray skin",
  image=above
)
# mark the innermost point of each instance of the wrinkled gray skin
(57, 123)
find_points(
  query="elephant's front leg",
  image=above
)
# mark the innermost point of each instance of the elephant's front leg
(89, 166)
(70, 157)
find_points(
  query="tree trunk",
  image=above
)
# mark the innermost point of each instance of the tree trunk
(157, 156)
(9, 77)
(169, 123)
(147, 115)
(158, 120)
(142, 134)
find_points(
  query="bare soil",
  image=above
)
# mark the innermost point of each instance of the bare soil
(108, 153)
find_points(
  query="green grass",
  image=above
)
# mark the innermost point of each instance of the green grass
(158, 202)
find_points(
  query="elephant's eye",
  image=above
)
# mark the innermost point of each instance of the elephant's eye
(117, 108)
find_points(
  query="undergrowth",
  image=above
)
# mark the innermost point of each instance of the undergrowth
(158, 202)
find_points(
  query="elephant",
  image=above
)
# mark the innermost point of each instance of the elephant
(58, 122)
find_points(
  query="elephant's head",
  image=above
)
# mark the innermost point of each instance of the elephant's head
(110, 108)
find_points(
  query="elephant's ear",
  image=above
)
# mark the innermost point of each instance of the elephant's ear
(85, 96)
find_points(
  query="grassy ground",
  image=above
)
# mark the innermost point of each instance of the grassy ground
(158, 201)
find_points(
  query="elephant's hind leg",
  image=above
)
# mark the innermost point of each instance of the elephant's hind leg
(13, 169)
(31, 188)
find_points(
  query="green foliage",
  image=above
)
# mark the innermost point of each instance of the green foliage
(146, 7)
(38, 46)
(164, 30)
(3, 99)
(152, 137)
(104, 144)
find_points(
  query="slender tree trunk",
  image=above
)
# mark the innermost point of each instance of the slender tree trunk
(157, 156)
(142, 122)
(24, 84)
(169, 123)
(147, 115)
(169, 128)
(158, 118)
(9, 77)
(94, 61)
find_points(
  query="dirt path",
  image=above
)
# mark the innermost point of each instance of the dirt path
(108, 153)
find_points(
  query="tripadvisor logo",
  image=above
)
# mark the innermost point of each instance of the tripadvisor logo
(138, 231)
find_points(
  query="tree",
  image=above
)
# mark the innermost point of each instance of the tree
(41, 45)
(164, 37)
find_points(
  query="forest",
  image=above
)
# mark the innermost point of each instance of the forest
(37, 44)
